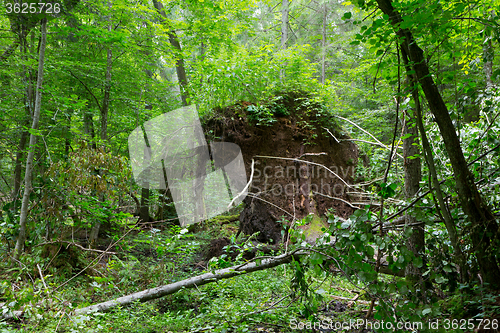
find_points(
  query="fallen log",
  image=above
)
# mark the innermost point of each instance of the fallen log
(196, 281)
(193, 282)
(256, 264)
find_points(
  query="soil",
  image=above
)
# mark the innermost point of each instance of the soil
(286, 189)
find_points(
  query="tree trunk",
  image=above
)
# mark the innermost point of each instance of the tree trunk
(179, 65)
(144, 210)
(94, 233)
(193, 282)
(484, 227)
(412, 176)
(88, 128)
(29, 163)
(29, 103)
(18, 167)
(284, 31)
(284, 23)
(323, 46)
(488, 55)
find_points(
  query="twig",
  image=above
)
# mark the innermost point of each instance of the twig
(366, 133)
(76, 245)
(203, 329)
(372, 143)
(334, 198)
(272, 306)
(43, 279)
(333, 136)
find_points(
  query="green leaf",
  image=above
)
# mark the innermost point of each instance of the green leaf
(418, 262)
(406, 136)
(447, 269)
(440, 279)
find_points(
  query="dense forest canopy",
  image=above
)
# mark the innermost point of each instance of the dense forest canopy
(397, 101)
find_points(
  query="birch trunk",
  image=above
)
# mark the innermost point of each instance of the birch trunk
(193, 282)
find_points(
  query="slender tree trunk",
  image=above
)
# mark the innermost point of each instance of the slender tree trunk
(323, 46)
(94, 233)
(18, 167)
(284, 23)
(145, 191)
(179, 65)
(29, 163)
(484, 227)
(107, 92)
(488, 55)
(284, 31)
(88, 128)
(67, 137)
(412, 176)
(29, 103)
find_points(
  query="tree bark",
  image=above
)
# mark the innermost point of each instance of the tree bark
(29, 163)
(284, 23)
(412, 176)
(484, 227)
(144, 209)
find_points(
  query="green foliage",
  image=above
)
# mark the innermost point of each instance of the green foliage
(260, 115)
(231, 54)
(73, 184)
(250, 75)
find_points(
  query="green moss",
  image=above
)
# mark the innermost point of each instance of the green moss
(222, 219)
(315, 229)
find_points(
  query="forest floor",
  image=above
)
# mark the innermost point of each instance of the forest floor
(257, 302)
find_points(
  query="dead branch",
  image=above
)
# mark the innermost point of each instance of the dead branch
(244, 189)
(376, 140)
(334, 198)
(76, 245)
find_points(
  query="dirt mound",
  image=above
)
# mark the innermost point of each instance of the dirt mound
(291, 126)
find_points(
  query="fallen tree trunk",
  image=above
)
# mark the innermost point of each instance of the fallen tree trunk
(200, 280)
(192, 282)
